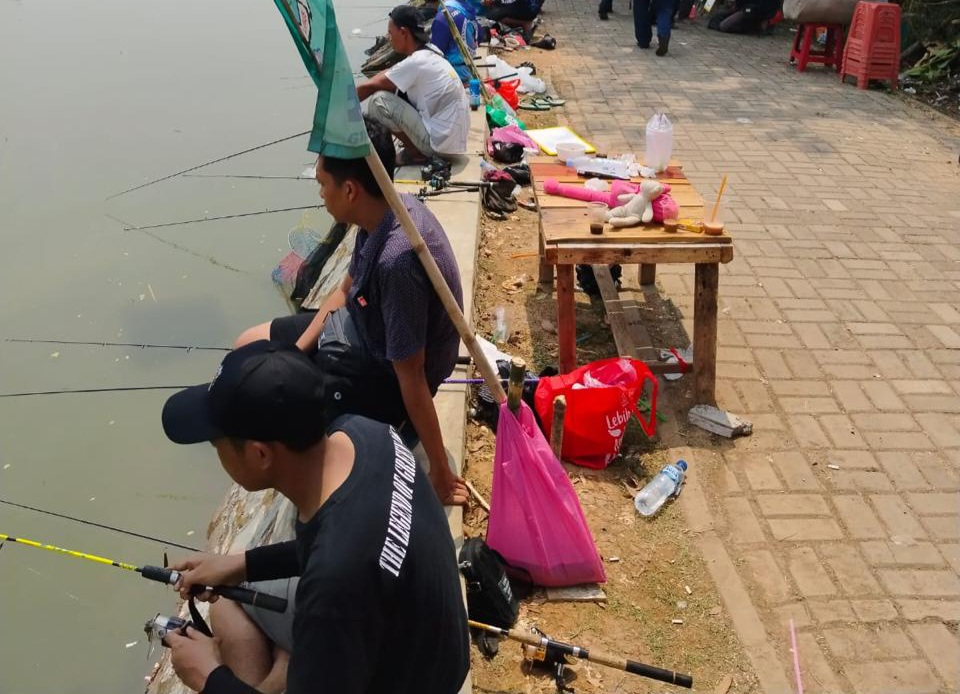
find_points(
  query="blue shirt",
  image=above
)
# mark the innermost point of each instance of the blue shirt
(392, 302)
(465, 18)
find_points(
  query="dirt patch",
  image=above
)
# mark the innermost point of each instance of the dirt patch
(655, 575)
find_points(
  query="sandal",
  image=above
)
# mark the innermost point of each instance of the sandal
(547, 43)
(534, 104)
(552, 100)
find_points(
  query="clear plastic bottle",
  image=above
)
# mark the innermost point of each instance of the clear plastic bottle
(659, 145)
(667, 483)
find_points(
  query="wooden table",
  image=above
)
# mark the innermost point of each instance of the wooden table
(566, 241)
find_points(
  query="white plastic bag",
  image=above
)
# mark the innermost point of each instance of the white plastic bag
(528, 83)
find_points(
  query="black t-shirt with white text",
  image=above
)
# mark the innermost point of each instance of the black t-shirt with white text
(379, 606)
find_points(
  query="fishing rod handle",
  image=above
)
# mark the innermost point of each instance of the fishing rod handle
(644, 670)
(252, 597)
(235, 593)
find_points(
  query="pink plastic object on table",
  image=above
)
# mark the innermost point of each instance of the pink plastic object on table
(536, 522)
(664, 207)
(511, 133)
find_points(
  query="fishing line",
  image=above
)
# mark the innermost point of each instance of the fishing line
(227, 216)
(159, 540)
(91, 390)
(284, 178)
(208, 163)
(162, 575)
(141, 345)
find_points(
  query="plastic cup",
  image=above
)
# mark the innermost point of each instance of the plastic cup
(597, 216)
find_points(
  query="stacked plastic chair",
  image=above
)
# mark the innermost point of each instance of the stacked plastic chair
(873, 44)
(801, 53)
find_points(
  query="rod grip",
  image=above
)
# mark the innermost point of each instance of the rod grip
(658, 673)
(252, 597)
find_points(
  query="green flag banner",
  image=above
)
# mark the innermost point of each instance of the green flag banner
(338, 129)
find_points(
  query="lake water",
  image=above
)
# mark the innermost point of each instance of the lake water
(97, 96)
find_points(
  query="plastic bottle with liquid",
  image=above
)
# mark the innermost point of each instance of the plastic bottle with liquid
(667, 483)
(659, 142)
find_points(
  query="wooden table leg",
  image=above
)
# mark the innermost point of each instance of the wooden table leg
(545, 269)
(566, 319)
(705, 333)
(648, 274)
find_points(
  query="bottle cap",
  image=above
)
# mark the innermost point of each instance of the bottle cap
(682, 464)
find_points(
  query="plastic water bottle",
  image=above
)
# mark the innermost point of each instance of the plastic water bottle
(659, 142)
(667, 483)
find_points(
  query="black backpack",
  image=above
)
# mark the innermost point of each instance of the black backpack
(490, 597)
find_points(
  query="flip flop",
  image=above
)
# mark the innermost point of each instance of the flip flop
(552, 100)
(547, 42)
(534, 104)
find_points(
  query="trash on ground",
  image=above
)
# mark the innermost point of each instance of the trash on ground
(587, 592)
(717, 421)
(667, 483)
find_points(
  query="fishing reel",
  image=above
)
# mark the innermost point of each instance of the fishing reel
(159, 626)
(550, 659)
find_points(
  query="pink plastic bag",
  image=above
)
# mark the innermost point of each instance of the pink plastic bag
(536, 522)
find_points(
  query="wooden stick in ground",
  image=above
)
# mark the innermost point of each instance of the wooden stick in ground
(490, 378)
(477, 496)
(556, 429)
(518, 369)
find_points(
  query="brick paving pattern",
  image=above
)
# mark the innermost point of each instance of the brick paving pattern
(839, 338)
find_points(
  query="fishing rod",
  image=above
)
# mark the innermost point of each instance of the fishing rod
(101, 525)
(268, 178)
(227, 216)
(164, 575)
(208, 163)
(90, 390)
(141, 345)
(632, 666)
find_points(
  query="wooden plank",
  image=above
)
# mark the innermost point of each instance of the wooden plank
(566, 319)
(570, 224)
(629, 333)
(654, 254)
(706, 283)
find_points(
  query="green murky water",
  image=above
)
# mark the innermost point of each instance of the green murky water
(97, 96)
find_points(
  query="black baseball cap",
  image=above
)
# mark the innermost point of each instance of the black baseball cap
(263, 391)
(408, 17)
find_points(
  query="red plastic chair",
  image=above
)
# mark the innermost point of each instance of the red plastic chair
(802, 55)
(873, 45)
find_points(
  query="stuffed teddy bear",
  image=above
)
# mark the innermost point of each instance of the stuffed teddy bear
(636, 208)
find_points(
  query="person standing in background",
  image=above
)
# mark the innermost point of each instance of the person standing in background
(645, 12)
(606, 7)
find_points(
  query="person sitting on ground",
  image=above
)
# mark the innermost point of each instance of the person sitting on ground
(513, 13)
(645, 14)
(744, 16)
(434, 119)
(389, 301)
(465, 19)
(378, 605)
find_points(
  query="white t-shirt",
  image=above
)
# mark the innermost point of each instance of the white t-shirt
(435, 90)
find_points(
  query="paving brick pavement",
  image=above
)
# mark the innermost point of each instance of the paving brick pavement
(839, 337)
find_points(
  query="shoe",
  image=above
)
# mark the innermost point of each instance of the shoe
(604, 16)
(662, 45)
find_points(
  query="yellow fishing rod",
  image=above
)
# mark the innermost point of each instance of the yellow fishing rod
(162, 575)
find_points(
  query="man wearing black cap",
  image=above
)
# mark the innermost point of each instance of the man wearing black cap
(434, 119)
(378, 607)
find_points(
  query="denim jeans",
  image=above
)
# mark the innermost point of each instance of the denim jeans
(645, 12)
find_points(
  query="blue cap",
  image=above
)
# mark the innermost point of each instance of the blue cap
(682, 464)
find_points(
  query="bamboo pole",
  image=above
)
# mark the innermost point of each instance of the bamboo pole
(464, 51)
(490, 377)
(556, 431)
(518, 369)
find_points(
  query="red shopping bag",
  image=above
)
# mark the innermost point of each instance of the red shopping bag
(601, 398)
(536, 522)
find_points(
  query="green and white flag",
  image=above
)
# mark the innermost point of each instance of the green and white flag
(338, 129)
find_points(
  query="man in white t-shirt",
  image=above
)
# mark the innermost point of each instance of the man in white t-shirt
(434, 118)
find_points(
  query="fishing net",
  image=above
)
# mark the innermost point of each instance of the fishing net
(300, 270)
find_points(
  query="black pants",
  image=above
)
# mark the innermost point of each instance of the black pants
(606, 6)
(645, 13)
(522, 11)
